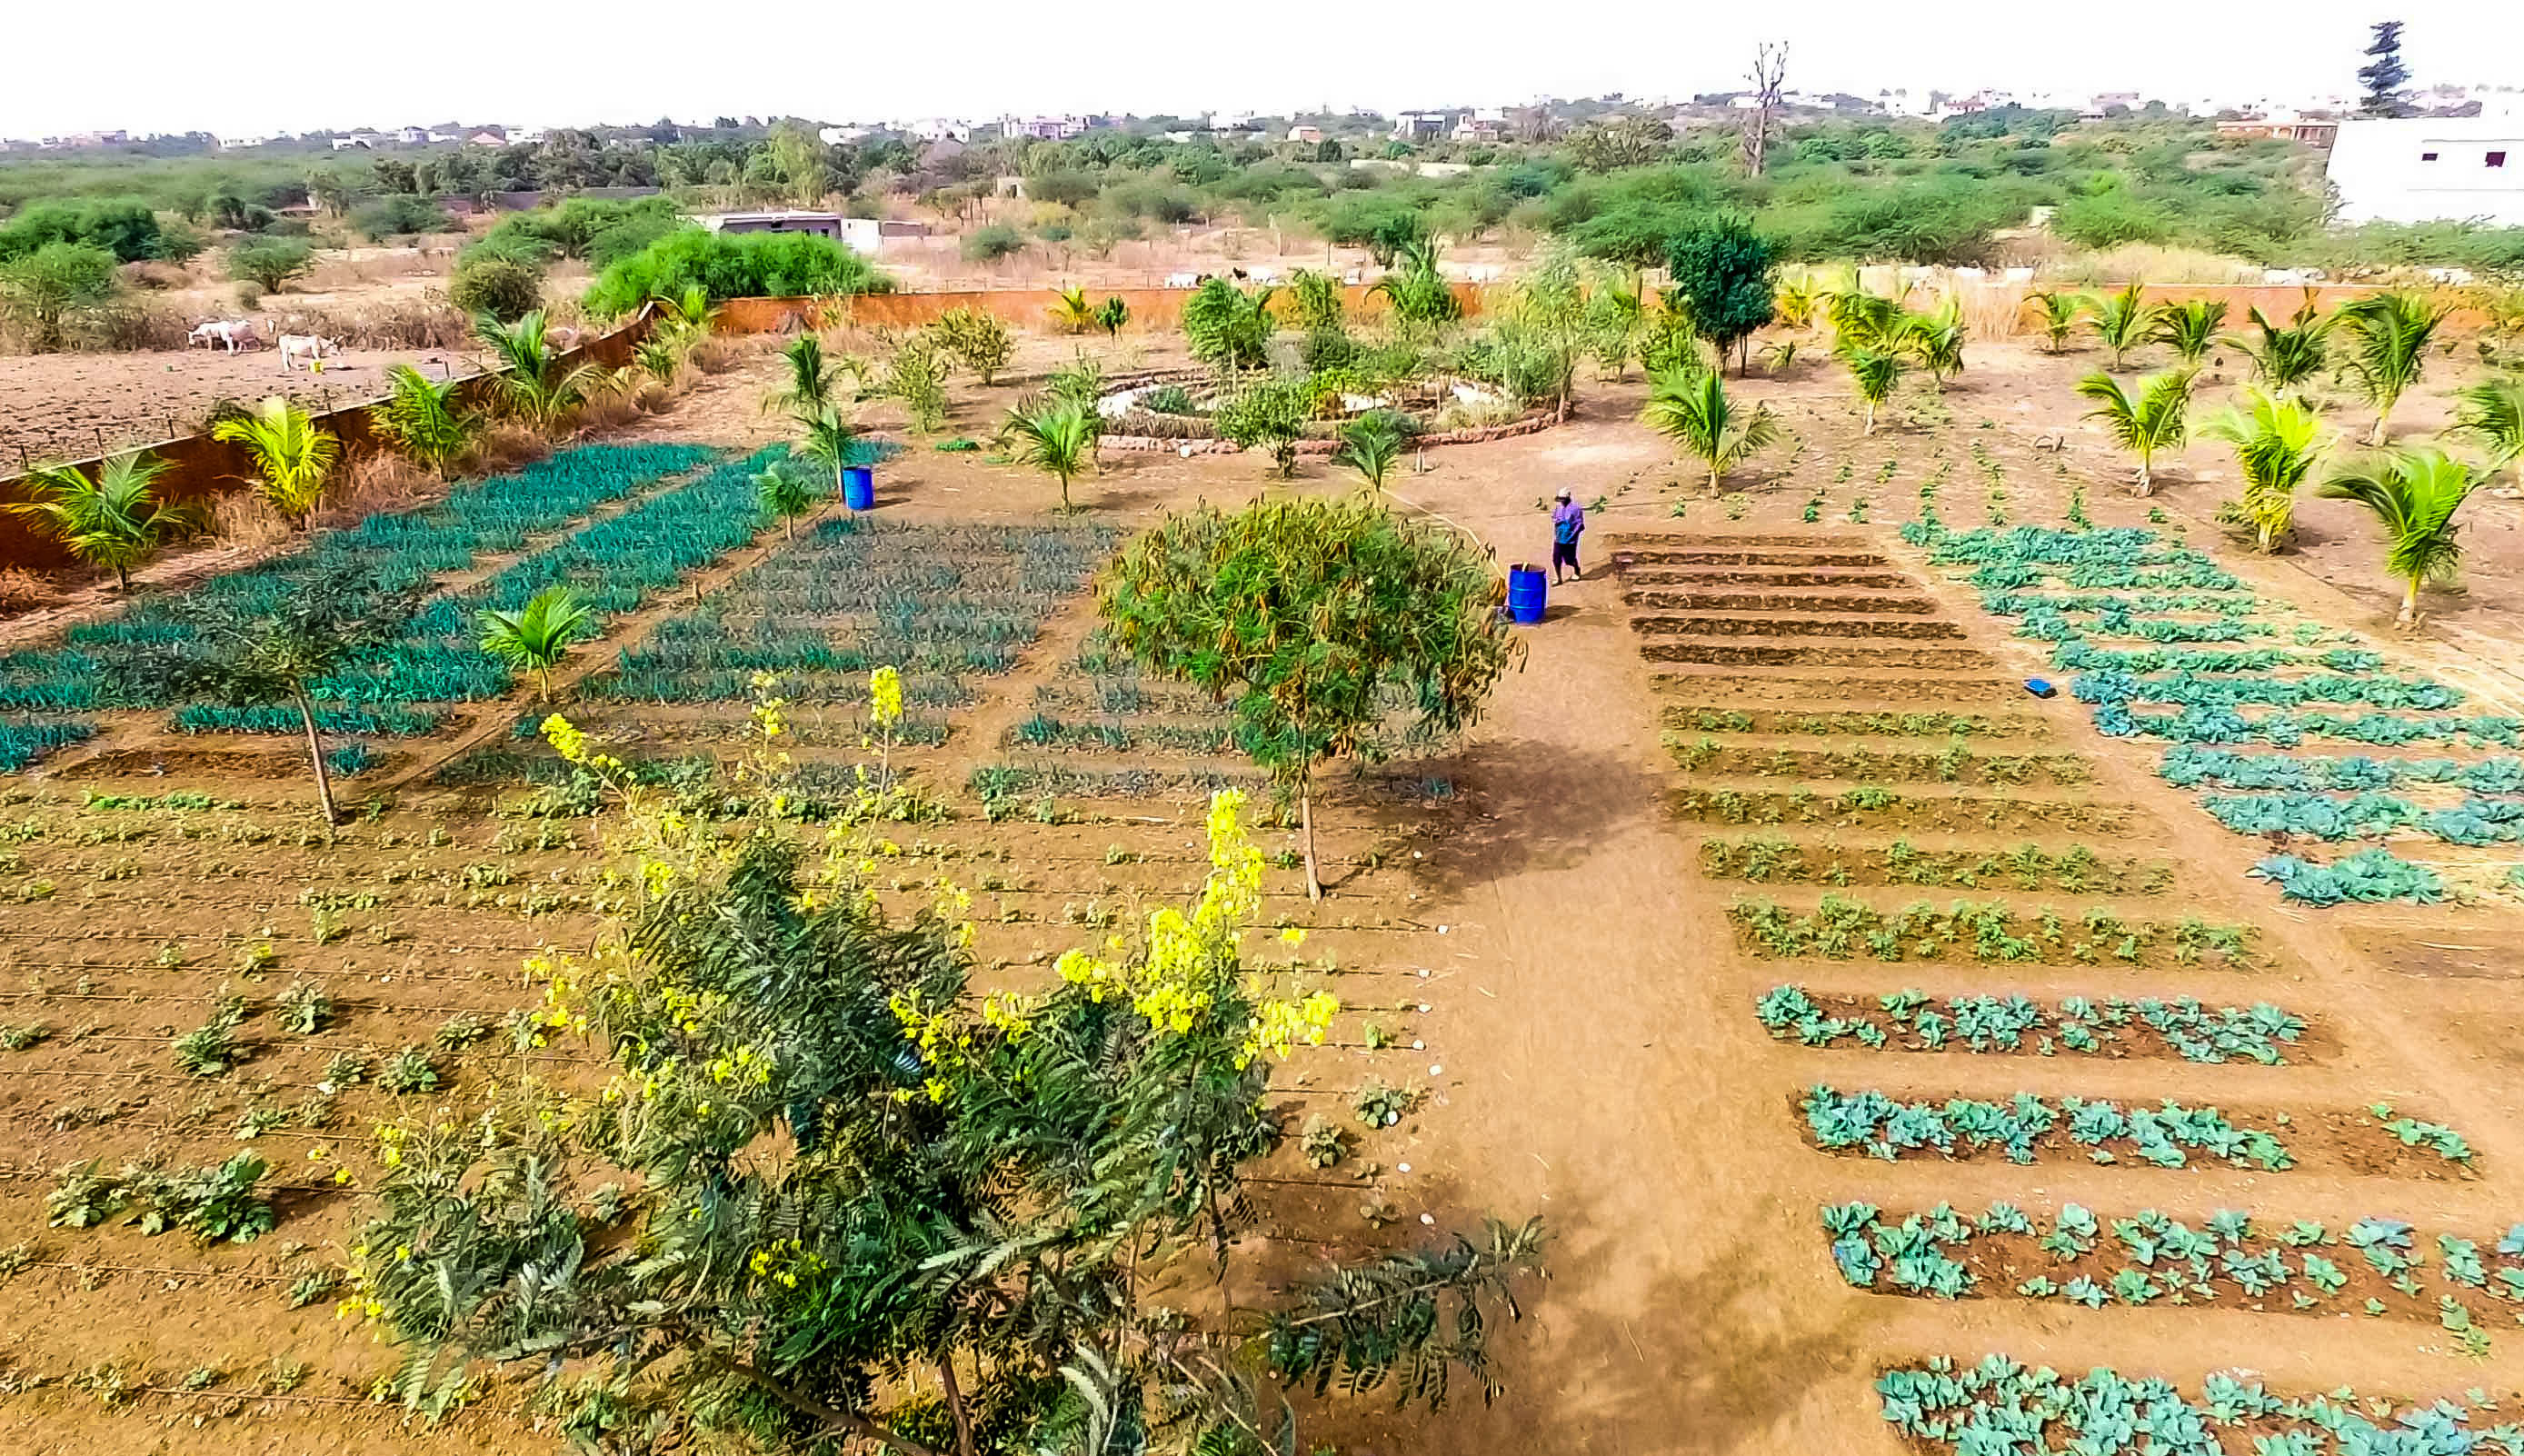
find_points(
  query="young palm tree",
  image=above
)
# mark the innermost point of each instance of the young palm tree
(2191, 328)
(2277, 443)
(539, 635)
(1112, 315)
(1873, 371)
(1058, 439)
(2157, 421)
(2492, 412)
(291, 456)
(812, 379)
(2286, 357)
(531, 378)
(1370, 445)
(1692, 409)
(1800, 297)
(786, 495)
(2387, 346)
(2415, 494)
(422, 420)
(1072, 312)
(2124, 320)
(114, 521)
(1863, 320)
(827, 437)
(684, 319)
(2059, 313)
(1936, 339)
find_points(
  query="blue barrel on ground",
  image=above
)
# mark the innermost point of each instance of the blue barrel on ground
(858, 487)
(1526, 594)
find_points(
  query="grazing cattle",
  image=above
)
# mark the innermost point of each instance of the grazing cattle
(1182, 280)
(1266, 276)
(312, 348)
(233, 333)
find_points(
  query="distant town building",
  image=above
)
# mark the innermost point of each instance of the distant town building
(1419, 126)
(859, 234)
(413, 136)
(2284, 126)
(1310, 135)
(488, 136)
(2430, 168)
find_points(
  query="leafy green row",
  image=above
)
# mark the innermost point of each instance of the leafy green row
(2474, 821)
(2224, 725)
(2023, 603)
(1907, 1020)
(2189, 765)
(1858, 724)
(2165, 1136)
(2153, 1256)
(2051, 626)
(1840, 928)
(2000, 1406)
(2077, 870)
(2075, 656)
(1044, 731)
(2369, 877)
(2233, 689)
(23, 741)
(386, 721)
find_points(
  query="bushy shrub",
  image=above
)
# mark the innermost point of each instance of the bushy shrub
(42, 292)
(269, 263)
(601, 231)
(725, 266)
(992, 243)
(498, 285)
(396, 215)
(123, 227)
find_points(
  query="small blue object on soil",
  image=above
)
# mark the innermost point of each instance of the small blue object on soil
(2040, 687)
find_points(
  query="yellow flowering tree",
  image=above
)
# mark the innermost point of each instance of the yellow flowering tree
(880, 1205)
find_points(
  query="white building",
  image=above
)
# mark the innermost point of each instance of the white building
(859, 234)
(2430, 168)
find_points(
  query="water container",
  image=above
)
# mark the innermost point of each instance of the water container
(1527, 593)
(858, 487)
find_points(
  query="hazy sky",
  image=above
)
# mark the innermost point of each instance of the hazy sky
(164, 66)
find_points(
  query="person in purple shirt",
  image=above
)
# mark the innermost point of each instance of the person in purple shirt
(1568, 523)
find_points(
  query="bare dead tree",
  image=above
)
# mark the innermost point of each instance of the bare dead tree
(1769, 69)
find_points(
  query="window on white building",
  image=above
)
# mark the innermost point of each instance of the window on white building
(2494, 159)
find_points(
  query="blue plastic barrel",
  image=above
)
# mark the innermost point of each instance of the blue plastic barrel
(1526, 594)
(858, 487)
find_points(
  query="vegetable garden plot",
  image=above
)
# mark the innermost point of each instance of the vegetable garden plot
(1782, 626)
(1713, 686)
(1849, 724)
(2001, 1406)
(1711, 578)
(1046, 731)
(2078, 1026)
(1811, 602)
(1643, 555)
(24, 741)
(1872, 806)
(2077, 870)
(2377, 1267)
(1840, 928)
(1736, 654)
(1959, 764)
(2027, 1128)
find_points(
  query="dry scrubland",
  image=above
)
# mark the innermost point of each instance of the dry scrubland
(1764, 912)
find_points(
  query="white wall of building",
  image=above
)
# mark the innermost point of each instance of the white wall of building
(2430, 168)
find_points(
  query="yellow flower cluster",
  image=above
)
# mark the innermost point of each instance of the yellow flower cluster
(744, 1066)
(573, 745)
(884, 696)
(783, 1261)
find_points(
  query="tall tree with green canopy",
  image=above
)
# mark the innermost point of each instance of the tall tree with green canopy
(113, 522)
(2383, 75)
(1729, 272)
(2414, 494)
(880, 1210)
(273, 655)
(1315, 618)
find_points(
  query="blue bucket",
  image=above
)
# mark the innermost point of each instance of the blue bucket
(858, 487)
(1527, 593)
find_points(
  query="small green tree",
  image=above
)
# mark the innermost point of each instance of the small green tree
(1936, 340)
(1315, 299)
(2492, 411)
(498, 285)
(1269, 415)
(1874, 371)
(914, 373)
(1370, 445)
(1227, 327)
(1057, 438)
(1417, 290)
(423, 421)
(269, 655)
(537, 637)
(2058, 315)
(2277, 444)
(531, 380)
(2191, 328)
(977, 340)
(2124, 320)
(2287, 357)
(813, 379)
(1691, 408)
(827, 436)
(1313, 617)
(1727, 271)
(785, 495)
(2156, 419)
(269, 263)
(2414, 494)
(1071, 312)
(113, 522)
(292, 456)
(42, 292)
(2388, 348)
(1112, 315)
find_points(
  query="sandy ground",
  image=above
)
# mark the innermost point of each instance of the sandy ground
(1589, 1053)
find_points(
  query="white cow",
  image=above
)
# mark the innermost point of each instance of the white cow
(312, 348)
(234, 333)
(1182, 280)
